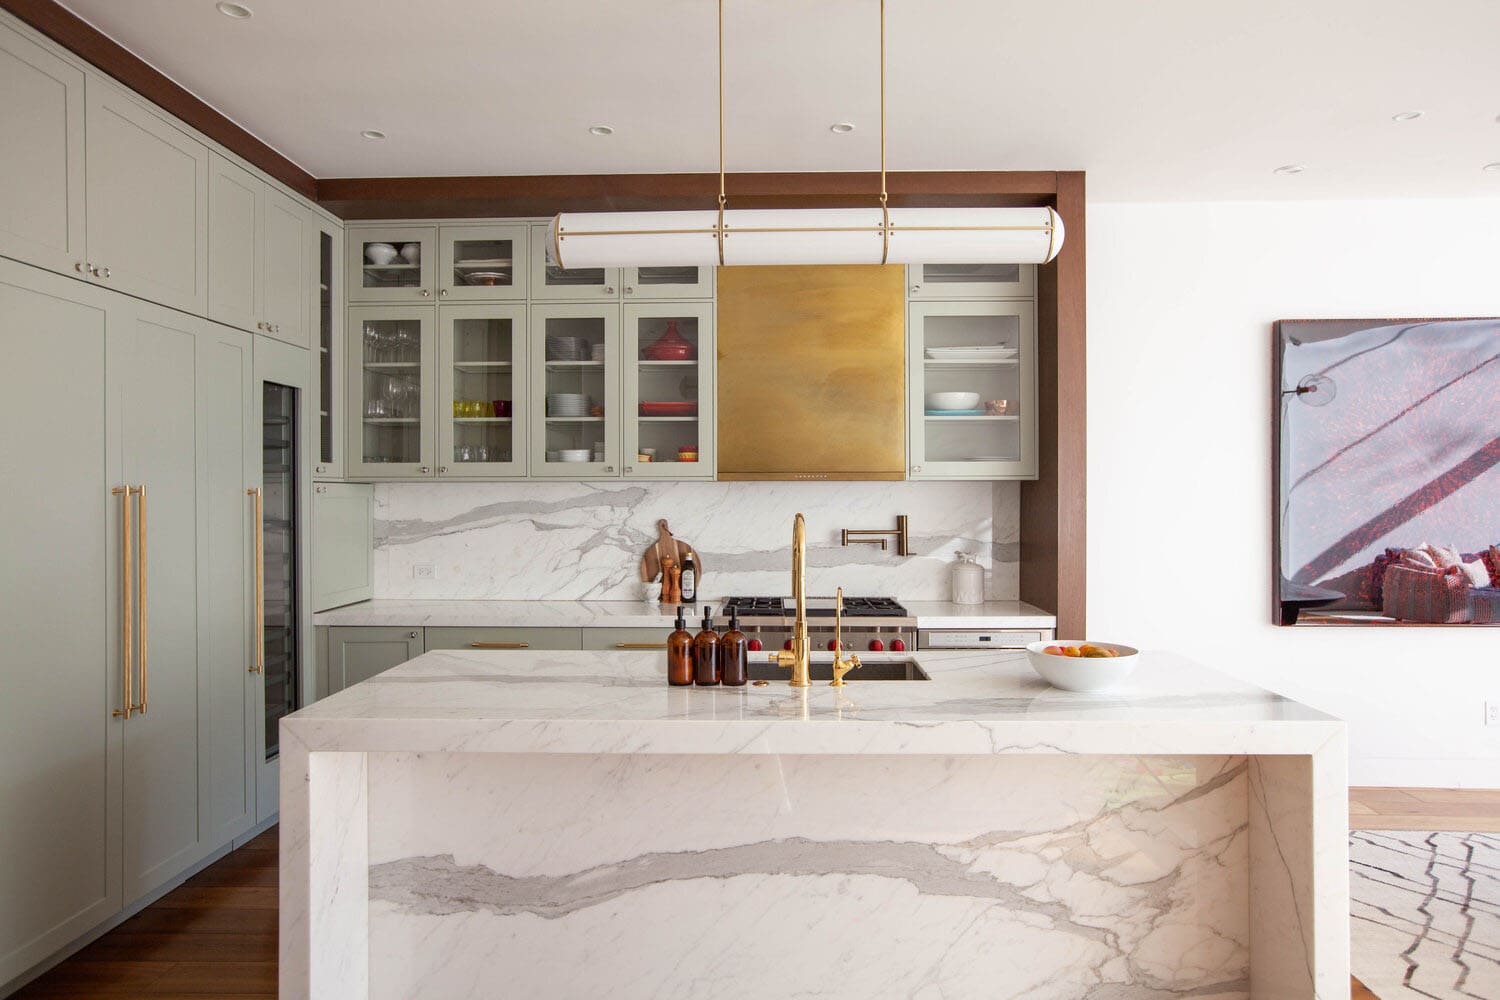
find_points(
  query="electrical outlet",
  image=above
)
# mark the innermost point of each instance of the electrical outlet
(424, 571)
(1492, 713)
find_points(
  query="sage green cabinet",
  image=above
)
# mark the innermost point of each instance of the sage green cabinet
(259, 255)
(357, 653)
(326, 305)
(343, 559)
(392, 354)
(617, 639)
(556, 284)
(146, 214)
(41, 156)
(392, 263)
(502, 638)
(286, 268)
(483, 263)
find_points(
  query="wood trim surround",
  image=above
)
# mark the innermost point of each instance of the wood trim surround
(538, 195)
(109, 57)
(1054, 525)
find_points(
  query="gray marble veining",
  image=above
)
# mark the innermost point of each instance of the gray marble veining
(583, 541)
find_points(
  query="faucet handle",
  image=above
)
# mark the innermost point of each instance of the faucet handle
(840, 668)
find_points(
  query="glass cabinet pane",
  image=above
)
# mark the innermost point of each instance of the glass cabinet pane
(576, 357)
(484, 390)
(668, 282)
(971, 281)
(391, 390)
(326, 455)
(483, 262)
(669, 391)
(279, 466)
(973, 386)
(391, 264)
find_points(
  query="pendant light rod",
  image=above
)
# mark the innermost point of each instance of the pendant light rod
(807, 235)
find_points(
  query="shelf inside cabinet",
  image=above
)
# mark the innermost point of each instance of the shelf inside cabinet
(976, 417)
(394, 421)
(574, 364)
(668, 420)
(393, 267)
(482, 420)
(480, 367)
(969, 365)
(666, 364)
(575, 420)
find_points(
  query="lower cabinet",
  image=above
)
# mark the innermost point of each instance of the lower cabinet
(357, 653)
(124, 731)
(503, 638)
(625, 638)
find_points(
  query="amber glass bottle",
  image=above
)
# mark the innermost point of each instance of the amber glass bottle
(680, 653)
(706, 652)
(734, 654)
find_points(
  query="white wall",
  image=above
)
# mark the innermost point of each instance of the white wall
(1181, 301)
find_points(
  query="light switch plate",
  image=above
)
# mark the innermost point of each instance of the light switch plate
(424, 571)
(1492, 713)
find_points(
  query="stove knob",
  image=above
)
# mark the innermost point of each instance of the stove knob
(833, 645)
(876, 646)
(787, 644)
(898, 645)
(755, 646)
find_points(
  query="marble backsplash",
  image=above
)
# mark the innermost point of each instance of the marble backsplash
(574, 541)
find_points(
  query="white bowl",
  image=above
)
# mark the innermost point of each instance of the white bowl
(1082, 673)
(379, 254)
(411, 252)
(953, 400)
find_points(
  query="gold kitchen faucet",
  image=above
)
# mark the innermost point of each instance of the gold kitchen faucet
(799, 657)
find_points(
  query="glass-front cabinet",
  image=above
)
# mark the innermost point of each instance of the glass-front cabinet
(971, 281)
(575, 391)
(390, 392)
(552, 283)
(481, 398)
(483, 263)
(687, 282)
(971, 377)
(392, 264)
(668, 390)
(280, 645)
(328, 356)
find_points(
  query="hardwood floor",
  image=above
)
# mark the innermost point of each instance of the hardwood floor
(215, 936)
(1469, 809)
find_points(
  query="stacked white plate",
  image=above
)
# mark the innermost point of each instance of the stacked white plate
(567, 404)
(568, 348)
(977, 352)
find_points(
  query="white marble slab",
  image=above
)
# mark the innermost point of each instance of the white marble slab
(583, 541)
(976, 703)
(638, 614)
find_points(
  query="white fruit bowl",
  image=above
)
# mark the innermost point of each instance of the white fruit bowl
(952, 400)
(1082, 673)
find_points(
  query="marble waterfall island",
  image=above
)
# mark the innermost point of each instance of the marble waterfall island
(562, 825)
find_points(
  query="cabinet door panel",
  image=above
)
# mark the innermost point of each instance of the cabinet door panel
(41, 156)
(503, 637)
(357, 654)
(227, 455)
(390, 406)
(147, 213)
(234, 214)
(285, 269)
(155, 379)
(59, 746)
(343, 560)
(327, 294)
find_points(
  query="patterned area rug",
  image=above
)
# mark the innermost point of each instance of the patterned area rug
(1426, 913)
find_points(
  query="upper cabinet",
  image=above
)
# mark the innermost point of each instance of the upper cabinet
(327, 323)
(392, 264)
(41, 157)
(392, 356)
(482, 263)
(146, 217)
(259, 264)
(556, 284)
(971, 281)
(286, 267)
(687, 282)
(668, 368)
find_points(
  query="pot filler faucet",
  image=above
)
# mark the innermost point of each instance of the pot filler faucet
(798, 658)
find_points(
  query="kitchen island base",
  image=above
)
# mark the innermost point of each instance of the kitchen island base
(1026, 869)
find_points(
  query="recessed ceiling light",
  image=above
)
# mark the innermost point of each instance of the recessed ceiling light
(238, 11)
(1290, 168)
(1406, 116)
(841, 127)
(1493, 168)
(601, 130)
(372, 133)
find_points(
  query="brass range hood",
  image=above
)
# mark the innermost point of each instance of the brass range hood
(812, 372)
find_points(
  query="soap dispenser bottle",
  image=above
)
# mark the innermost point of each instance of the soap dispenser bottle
(734, 654)
(706, 667)
(680, 653)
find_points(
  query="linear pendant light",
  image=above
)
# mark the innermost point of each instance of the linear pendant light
(875, 235)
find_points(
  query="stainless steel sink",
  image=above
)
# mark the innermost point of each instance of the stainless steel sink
(879, 670)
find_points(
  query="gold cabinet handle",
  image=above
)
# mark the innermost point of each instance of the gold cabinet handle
(499, 645)
(140, 528)
(127, 610)
(640, 645)
(259, 556)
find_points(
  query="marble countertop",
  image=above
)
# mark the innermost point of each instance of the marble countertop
(988, 702)
(637, 614)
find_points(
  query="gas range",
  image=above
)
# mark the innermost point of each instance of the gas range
(870, 623)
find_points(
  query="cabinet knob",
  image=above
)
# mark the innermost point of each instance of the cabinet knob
(609, 468)
(629, 289)
(81, 267)
(412, 634)
(322, 468)
(426, 293)
(916, 468)
(609, 289)
(320, 489)
(916, 288)
(424, 470)
(442, 293)
(275, 327)
(442, 470)
(628, 469)
(105, 273)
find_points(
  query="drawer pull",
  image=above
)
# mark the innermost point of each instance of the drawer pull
(640, 645)
(499, 645)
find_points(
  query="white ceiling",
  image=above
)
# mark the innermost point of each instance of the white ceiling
(1156, 99)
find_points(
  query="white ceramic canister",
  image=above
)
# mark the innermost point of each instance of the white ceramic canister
(968, 580)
